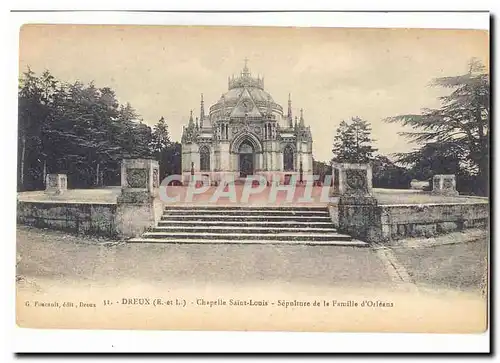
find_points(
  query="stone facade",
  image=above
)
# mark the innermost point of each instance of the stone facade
(246, 133)
(444, 184)
(56, 183)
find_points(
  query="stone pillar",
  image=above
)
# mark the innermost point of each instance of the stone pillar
(444, 184)
(357, 208)
(56, 183)
(138, 205)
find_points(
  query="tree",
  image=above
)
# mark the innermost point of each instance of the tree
(171, 159)
(352, 143)
(35, 101)
(160, 137)
(432, 158)
(161, 146)
(77, 129)
(459, 126)
(322, 169)
(386, 174)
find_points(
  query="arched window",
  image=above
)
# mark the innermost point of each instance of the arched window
(288, 163)
(204, 158)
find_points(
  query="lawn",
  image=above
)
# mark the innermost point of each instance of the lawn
(457, 266)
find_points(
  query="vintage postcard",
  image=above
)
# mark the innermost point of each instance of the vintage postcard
(253, 178)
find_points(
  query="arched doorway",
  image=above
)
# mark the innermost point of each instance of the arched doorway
(246, 159)
(204, 158)
(288, 162)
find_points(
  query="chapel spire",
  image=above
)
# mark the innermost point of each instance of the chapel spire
(191, 122)
(289, 114)
(202, 111)
(302, 124)
(269, 105)
(223, 106)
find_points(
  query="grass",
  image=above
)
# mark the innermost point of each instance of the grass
(458, 266)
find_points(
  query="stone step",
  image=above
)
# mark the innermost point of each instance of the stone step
(239, 217)
(236, 236)
(347, 243)
(245, 212)
(255, 224)
(239, 229)
(269, 224)
(229, 207)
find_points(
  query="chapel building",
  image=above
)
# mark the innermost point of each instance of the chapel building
(246, 133)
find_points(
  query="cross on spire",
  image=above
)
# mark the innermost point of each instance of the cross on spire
(246, 71)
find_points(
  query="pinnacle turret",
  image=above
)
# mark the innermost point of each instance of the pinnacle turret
(289, 114)
(191, 122)
(202, 111)
(223, 106)
(302, 123)
(269, 105)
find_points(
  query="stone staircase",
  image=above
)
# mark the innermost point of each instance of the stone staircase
(247, 224)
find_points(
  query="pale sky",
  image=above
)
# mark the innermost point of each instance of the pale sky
(333, 74)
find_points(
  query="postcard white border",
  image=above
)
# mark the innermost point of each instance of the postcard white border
(25, 340)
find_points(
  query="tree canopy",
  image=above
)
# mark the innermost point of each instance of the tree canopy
(353, 142)
(74, 128)
(168, 153)
(458, 131)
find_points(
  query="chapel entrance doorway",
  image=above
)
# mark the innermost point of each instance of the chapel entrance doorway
(246, 159)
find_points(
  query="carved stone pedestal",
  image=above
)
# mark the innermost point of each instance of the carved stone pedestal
(56, 183)
(138, 205)
(352, 185)
(351, 179)
(444, 184)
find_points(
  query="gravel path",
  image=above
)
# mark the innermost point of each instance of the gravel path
(61, 256)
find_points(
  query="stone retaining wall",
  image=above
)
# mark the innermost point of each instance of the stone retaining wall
(389, 223)
(428, 220)
(87, 218)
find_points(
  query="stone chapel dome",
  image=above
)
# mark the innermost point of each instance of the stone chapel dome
(245, 97)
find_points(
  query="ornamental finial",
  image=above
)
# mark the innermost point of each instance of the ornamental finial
(269, 105)
(191, 118)
(246, 71)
